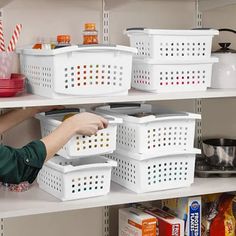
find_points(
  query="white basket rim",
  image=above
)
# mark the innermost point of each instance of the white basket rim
(173, 32)
(106, 162)
(145, 157)
(74, 49)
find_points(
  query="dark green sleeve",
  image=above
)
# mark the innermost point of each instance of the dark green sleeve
(21, 164)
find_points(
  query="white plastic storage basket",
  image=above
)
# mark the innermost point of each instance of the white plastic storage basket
(78, 146)
(159, 173)
(175, 76)
(152, 135)
(81, 178)
(172, 44)
(85, 71)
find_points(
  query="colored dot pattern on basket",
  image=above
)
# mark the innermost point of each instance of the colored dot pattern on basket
(99, 141)
(93, 76)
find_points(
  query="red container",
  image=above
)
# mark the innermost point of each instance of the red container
(13, 86)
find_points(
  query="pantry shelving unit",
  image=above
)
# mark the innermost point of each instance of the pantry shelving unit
(37, 202)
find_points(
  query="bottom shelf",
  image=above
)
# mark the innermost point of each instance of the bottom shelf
(36, 201)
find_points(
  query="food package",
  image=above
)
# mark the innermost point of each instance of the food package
(167, 224)
(134, 222)
(218, 217)
(187, 209)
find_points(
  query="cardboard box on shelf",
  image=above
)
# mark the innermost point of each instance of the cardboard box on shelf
(167, 224)
(135, 222)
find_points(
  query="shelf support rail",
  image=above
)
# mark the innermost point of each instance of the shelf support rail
(198, 102)
(198, 15)
(106, 40)
(106, 220)
(1, 227)
(105, 24)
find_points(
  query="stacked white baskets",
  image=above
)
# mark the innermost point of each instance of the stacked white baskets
(83, 71)
(172, 60)
(80, 171)
(154, 151)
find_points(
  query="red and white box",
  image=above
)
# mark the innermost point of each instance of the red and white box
(135, 222)
(167, 224)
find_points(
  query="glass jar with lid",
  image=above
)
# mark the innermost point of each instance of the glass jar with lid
(90, 34)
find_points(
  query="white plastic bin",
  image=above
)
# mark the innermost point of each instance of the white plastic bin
(154, 174)
(158, 44)
(76, 179)
(84, 71)
(153, 135)
(173, 76)
(80, 146)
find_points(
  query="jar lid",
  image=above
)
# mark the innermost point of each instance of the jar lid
(224, 48)
(63, 38)
(90, 26)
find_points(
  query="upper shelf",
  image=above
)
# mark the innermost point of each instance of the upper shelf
(29, 100)
(36, 201)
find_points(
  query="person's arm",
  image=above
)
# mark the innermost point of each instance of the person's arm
(15, 117)
(23, 164)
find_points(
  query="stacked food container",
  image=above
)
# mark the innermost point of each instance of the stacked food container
(80, 171)
(155, 148)
(93, 70)
(172, 60)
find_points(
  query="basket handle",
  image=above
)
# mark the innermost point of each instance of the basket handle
(124, 105)
(165, 117)
(135, 28)
(114, 48)
(111, 119)
(179, 116)
(62, 111)
(70, 168)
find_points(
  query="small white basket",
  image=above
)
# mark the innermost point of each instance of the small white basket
(80, 146)
(172, 44)
(159, 173)
(175, 76)
(153, 135)
(81, 178)
(84, 71)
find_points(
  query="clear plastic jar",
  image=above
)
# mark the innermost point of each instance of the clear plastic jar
(63, 41)
(90, 34)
